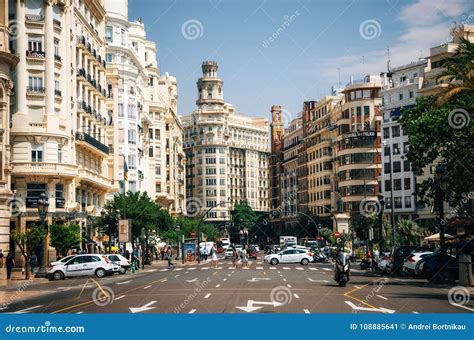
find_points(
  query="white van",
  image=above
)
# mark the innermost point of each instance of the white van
(208, 246)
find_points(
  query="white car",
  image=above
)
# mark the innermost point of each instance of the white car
(410, 262)
(290, 255)
(83, 265)
(124, 264)
(228, 252)
(63, 260)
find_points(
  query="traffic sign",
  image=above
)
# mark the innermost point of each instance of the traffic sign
(337, 234)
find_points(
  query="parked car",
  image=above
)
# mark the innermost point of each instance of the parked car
(124, 264)
(411, 260)
(436, 268)
(400, 254)
(84, 265)
(384, 263)
(290, 256)
(63, 260)
(228, 252)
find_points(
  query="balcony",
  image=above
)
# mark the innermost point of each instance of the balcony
(88, 139)
(34, 17)
(58, 93)
(44, 169)
(56, 22)
(35, 54)
(57, 58)
(96, 179)
(35, 90)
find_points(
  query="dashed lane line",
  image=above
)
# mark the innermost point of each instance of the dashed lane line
(207, 295)
(146, 287)
(119, 297)
(288, 285)
(217, 286)
(306, 311)
(192, 311)
(382, 297)
(296, 296)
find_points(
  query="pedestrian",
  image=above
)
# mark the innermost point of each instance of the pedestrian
(245, 259)
(162, 252)
(127, 255)
(10, 263)
(169, 255)
(234, 256)
(213, 256)
(33, 260)
(206, 253)
(2, 260)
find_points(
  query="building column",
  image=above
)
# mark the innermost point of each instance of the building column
(49, 60)
(21, 47)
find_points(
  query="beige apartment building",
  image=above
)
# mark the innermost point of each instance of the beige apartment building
(226, 153)
(149, 132)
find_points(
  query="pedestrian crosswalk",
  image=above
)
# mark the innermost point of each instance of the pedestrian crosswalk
(252, 266)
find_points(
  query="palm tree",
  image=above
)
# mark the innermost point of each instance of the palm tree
(408, 232)
(458, 71)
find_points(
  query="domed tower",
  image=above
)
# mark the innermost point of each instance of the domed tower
(210, 85)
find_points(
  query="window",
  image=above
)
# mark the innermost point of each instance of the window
(396, 131)
(109, 57)
(59, 196)
(396, 149)
(33, 192)
(397, 184)
(132, 137)
(150, 152)
(407, 201)
(35, 44)
(132, 186)
(122, 36)
(132, 113)
(386, 133)
(406, 165)
(56, 48)
(400, 96)
(386, 168)
(132, 162)
(366, 110)
(397, 167)
(405, 147)
(398, 202)
(109, 33)
(388, 187)
(386, 151)
(410, 94)
(406, 183)
(35, 84)
(37, 152)
(60, 154)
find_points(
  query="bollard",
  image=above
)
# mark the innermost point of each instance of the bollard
(133, 267)
(465, 270)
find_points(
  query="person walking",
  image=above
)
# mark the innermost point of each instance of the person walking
(245, 259)
(33, 260)
(234, 256)
(10, 263)
(169, 257)
(162, 252)
(213, 256)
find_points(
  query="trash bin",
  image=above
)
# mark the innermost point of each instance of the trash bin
(465, 270)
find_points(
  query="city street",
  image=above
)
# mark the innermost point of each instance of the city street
(188, 289)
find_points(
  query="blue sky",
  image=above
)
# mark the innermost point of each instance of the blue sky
(315, 43)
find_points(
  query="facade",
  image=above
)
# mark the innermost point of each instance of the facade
(144, 103)
(276, 158)
(7, 61)
(226, 153)
(59, 119)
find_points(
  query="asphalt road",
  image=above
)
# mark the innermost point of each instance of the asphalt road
(285, 288)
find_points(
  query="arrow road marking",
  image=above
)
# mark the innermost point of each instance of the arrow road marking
(256, 279)
(323, 281)
(250, 305)
(143, 308)
(123, 282)
(381, 309)
(27, 310)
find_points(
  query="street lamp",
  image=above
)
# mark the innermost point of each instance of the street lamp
(177, 229)
(382, 205)
(441, 184)
(392, 203)
(43, 205)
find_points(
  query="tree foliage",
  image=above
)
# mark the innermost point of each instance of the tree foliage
(27, 241)
(243, 216)
(64, 237)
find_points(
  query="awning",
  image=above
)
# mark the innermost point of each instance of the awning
(435, 237)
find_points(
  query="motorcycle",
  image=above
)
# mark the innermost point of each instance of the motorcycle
(320, 257)
(342, 269)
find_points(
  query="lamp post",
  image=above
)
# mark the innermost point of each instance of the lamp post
(380, 223)
(43, 205)
(441, 183)
(177, 229)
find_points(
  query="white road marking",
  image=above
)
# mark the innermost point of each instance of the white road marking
(284, 280)
(380, 309)
(296, 295)
(27, 310)
(358, 287)
(178, 269)
(123, 282)
(382, 297)
(204, 268)
(327, 269)
(164, 270)
(177, 275)
(192, 311)
(217, 286)
(193, 280)
(299, 268)
(279, 272)
(281, 275)
(233, 271)
(79, 312)
(259, 268)
(286, 268)
(415, 312)
(147, 287)
(323, 281)
(207, 295)
(224, 279)
(186, 272)
(229, 274)
(272, 268)
(192, 268)
(119, 297)
(143, 308)
(306, 311)
(313, 269)
(462, 306)
(151, 270)
(288, 285)
(231, 268)
(219, 267)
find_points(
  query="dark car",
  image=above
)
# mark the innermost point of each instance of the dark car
(400, 254)
(443, 268)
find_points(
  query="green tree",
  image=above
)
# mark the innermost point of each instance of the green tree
(63, 237)
(459, 72)
(433, 140)
(243, 216)
(27, 241)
